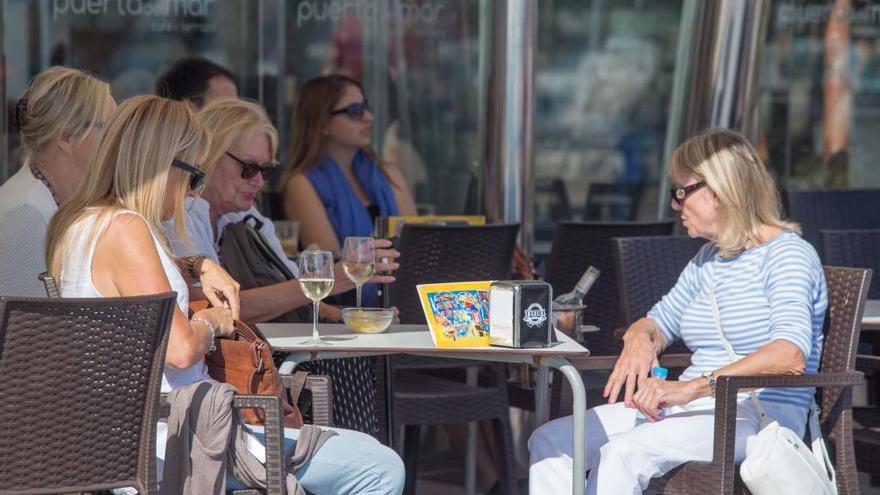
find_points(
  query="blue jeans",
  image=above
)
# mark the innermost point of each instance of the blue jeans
(350, 462)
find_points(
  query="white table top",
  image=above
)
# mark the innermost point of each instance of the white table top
(871, 318)
(410, 339)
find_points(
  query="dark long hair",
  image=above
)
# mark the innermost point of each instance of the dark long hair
(314, 110)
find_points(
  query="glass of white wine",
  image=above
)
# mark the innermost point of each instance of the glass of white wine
(358, 261)
(316, 280)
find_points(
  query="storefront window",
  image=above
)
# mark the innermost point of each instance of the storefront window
(820, 94)
(418, 60)
(603, 84)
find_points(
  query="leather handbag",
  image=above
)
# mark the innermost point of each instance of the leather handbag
(245, 362)
(779, 462)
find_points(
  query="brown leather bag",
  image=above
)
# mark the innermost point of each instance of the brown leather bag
(245, 362)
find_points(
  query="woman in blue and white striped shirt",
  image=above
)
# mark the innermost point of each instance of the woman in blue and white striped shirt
(771, 294)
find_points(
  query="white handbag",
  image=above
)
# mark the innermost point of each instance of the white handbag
(779, 462)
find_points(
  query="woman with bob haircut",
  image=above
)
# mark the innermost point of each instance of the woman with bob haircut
(240, 157)
(770, 291)
(59, 116)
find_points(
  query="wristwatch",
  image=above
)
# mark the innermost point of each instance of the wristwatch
(710, 377)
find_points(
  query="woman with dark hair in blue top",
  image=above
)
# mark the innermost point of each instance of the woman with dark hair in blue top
(335, 188)
(336, 185)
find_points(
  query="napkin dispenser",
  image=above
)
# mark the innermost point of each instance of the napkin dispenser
(519, 313)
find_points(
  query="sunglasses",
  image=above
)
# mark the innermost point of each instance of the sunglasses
(250, 169)
(197, 177)
(679, 194)
(355, 111)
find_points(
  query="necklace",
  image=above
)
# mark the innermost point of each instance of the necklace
(42, 178)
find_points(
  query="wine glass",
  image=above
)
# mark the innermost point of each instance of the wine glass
(316, 280)
(358, 261)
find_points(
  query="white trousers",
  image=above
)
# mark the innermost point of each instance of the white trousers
(624, 452)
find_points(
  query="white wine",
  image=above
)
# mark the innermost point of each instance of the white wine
(358, 272)
(316, 288)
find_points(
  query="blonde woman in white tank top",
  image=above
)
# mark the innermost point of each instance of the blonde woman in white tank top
(106, 240)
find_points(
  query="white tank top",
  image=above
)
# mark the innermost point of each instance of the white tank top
(76, 281)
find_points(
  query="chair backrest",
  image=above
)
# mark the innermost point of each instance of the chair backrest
(827, 210)
(441, 253)
(79, 392)
(577, 245)
(853, 248)
(847, 292)
(647, 268)
(50, 284)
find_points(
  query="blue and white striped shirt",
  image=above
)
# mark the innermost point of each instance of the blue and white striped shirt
(773, 291)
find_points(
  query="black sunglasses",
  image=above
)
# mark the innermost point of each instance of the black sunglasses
(197, 178)
(678, 194)
(250, 169)
(355, 111)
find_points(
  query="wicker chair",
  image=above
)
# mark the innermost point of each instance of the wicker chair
(66, 362)
(429, 254)
(319, 396)
(847, 291)
(840, 209)
(855, 248)
(578, 245)
(861, 248)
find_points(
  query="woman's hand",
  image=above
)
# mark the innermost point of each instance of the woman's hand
(635, 361)
(385, 255)
(219, 287)
(656, 394)
(220, 318)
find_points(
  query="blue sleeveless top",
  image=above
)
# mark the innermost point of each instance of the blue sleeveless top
(348, 216)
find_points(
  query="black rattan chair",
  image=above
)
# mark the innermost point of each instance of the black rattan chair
(79, 392)
(431, 254)
(839, 209)
(847, 291)
(316, 387)
(578, 245)
(854, 248)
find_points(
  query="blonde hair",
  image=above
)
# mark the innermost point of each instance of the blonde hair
(746, 193)
(60, 102)
(230, 119)
(131, 168)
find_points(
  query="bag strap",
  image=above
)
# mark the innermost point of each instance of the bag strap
(299, 381)
(254, 231)
(820, 450)
(762, 413)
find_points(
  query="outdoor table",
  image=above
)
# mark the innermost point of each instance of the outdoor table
(416, 340)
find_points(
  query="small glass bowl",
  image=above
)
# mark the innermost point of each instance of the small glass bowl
(367, 320)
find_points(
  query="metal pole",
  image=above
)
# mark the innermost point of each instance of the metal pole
(507, 166)
(716, 72)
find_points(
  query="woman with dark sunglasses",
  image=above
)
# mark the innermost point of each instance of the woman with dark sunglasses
(336, 185)
(751, 302)
(240, 160)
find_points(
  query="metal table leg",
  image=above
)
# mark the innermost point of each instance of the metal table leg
(579, 464)
(292, 361)
(542, 394)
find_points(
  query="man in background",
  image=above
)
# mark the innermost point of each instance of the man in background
(197, 81)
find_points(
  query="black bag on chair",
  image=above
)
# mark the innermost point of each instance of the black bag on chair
(250, 260)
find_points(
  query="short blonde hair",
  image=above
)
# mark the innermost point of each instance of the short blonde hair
(131, 168)
(746, 193)
(60, 102)
(229, 120)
